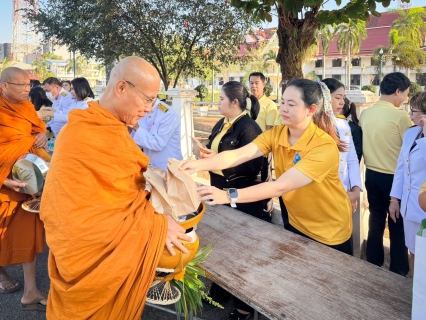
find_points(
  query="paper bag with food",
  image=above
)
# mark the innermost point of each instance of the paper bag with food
(159, 198)
(197, 148)
(181, 189)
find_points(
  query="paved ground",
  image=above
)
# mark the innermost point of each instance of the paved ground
(10, 307)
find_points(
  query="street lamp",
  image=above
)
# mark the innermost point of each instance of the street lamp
(380, 65)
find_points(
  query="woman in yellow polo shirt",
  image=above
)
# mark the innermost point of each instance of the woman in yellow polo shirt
(306, 156)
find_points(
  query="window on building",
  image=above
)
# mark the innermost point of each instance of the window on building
(337, 77)
(356, 62)
(231, 78)
(355, 79)
(318, 63)
(241, 79)
(421, 79)
(375, 81)
(374, 61)
(221, 81)
(337, 62)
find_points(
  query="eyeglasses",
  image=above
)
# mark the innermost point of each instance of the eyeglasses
(412, 110)
(152, 101)
(21, 85)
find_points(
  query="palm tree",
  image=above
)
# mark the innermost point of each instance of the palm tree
(81, 64)
(327, 36)
(5, 63)
(41, 68)
(267, 57)
(402, 51)
(350, 36)
(411, 24)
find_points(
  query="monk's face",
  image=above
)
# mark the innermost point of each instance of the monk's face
(53, 89)
(140, 100)
(17, 87)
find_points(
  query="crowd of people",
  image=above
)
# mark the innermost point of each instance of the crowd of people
(103, 233)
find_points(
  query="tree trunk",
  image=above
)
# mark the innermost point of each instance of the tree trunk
(295, 36)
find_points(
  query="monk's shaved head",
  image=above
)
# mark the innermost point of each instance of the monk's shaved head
(11, 73)
(136, 70)
(132, 89)
(15, 84)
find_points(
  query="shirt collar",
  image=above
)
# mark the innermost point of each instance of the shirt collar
(303, 140)
(226, 121)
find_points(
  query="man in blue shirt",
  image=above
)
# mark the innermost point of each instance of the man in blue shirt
(158, 135)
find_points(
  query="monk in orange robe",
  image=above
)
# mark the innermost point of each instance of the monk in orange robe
(104, 237)
(21, 232)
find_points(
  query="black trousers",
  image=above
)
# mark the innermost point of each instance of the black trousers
(378, 187)
(345, 247)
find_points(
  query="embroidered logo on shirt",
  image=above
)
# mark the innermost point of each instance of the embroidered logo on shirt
(63, 94)
(296, 158)
(163, 107)
(348, 133)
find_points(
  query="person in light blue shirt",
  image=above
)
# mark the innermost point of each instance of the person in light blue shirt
(61, 106)
(80, 95)
(158, 135)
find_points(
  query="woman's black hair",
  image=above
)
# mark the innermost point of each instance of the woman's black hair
(350, 109)
(333, 84)
(311, 93)
(234, 90)
(38, 98)
(82, 88)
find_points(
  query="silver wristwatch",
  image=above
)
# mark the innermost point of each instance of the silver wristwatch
(233, 195)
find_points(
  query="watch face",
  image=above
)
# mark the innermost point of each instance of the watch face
(233, 193)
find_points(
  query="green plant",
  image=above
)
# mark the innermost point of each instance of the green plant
(369, 87)
(202, 92)
(191, 287)
(414, 88)
(268, 89)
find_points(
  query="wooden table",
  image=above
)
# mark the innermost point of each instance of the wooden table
(284, 275)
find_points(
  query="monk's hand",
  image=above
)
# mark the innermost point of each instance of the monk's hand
(41, 140)
(175, 236)
(212, 195)
(14, 184)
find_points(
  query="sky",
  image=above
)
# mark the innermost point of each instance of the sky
(6, 15)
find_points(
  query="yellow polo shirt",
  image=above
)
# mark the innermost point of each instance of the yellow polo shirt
(226, 125)
(267, 114)
(383, 127)
(321, 209)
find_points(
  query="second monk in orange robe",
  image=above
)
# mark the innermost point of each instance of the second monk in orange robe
(105, 238)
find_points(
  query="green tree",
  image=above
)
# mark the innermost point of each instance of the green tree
(52, 56)
(202, 92)
(370, 88)
(350, 36)
(5, 63)
(414, 88)
(81, 64)
(299, 19)
(267, 57)
(42, 69)
(172, 35)
(411, 24)
(327, 34)
(402, 52)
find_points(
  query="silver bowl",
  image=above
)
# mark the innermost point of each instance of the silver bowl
(32, 170)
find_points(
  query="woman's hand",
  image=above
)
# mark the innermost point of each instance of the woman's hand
(354, 197)
(41, 140)
(207, 153)
(394, 209)
(212, 195)
(14, 184)
(190, 166)
(175, 236)
(46, 112)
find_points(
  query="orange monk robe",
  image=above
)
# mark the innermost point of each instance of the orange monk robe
(21, 232)
(105, 239)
